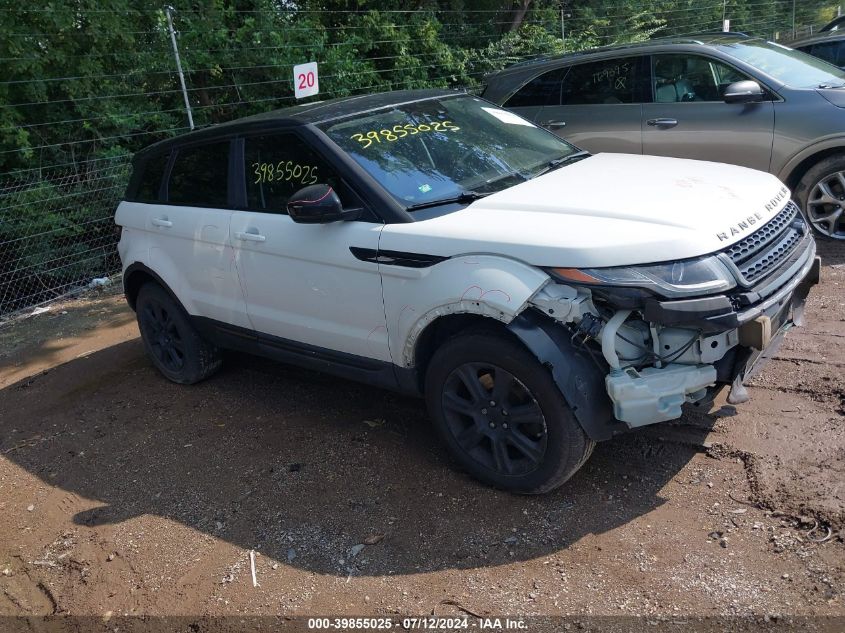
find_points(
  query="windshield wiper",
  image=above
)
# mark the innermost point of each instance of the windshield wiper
(464, 196)
(824, 86)
(560, 162)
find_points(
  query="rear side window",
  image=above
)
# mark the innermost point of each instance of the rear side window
(279, 165)
(540, 91)
(611, 81)
(149, 182)
(200, 176)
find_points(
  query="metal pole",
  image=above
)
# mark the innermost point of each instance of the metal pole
(793, 19)
(563, 29)
(167, 10)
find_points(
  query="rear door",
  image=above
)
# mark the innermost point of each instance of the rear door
(689, 118)
(599, 107)
(189, 245)
(302, 282)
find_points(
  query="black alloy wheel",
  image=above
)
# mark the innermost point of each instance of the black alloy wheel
(495, 418)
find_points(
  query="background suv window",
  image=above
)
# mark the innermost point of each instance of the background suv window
(610, 81)
(540, 91)
(200, 176)
(691, 78)
(833, 52)
(279, 165)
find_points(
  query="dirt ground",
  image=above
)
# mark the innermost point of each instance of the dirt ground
(121, 493)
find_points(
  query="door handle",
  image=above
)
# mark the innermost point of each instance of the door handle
(162, 222)
(662, 122)
(554, 124)
(250, 237)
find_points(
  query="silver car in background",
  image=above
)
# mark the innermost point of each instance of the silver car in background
(719, 97)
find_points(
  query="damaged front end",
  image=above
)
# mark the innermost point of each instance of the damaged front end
(662, 335)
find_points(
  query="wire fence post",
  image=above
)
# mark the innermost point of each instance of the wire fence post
(793, 19)
(168, 10)
(563, 29)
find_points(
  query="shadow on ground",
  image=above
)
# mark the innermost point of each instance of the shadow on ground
(302, 467)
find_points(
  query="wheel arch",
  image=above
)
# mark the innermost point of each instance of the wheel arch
(577, 375)
(135, 276)
(801, 163)
(443, 328)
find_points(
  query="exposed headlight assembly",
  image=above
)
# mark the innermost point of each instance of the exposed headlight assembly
(691, 277)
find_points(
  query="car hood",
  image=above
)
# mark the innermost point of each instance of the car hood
(605, 210)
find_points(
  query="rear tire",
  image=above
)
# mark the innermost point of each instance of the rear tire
(821, 194)
(172, 343)
(501, 415)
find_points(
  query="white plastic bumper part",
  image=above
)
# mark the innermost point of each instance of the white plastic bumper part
(656, 395)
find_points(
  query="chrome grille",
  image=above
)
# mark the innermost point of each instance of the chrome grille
(766, 249)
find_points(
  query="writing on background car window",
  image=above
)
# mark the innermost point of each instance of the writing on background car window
(615, 75)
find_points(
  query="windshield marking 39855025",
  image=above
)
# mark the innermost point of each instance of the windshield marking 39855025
(447, 150)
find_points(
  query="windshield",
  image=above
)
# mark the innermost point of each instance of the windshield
(442, 148)
(793, 68)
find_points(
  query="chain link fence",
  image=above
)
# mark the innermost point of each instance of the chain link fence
(57, 233)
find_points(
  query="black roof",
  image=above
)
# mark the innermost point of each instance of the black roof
(305, 114)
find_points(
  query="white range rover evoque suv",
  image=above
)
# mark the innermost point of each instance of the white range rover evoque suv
(539, 298)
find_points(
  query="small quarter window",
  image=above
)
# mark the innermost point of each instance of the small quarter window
(540, 91)
(200, 175)
(149, 182)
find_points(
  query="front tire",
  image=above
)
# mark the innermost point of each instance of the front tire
(172, 343)
(821, 193)
(501, 415)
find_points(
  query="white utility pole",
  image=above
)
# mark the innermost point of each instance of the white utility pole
(168, 10)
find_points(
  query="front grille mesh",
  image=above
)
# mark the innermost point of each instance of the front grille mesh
(766, 249)
(757, 240)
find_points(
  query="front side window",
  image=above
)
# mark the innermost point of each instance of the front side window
(540, 91)
(200, 176)
(279, 165)
(685, 77)
(430, 150)
(791, 67)
(612, 81)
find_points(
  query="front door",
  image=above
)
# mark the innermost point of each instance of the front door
(689, 118)
(301, 281)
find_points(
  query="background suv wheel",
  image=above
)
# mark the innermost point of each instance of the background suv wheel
(172, 343)
(501, 415)
(821, 193)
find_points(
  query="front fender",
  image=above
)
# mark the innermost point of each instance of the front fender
(491, 286)
(832, 142)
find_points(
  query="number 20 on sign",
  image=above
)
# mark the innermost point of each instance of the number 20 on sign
(305, 80)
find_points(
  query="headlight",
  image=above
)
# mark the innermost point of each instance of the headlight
(701, 276)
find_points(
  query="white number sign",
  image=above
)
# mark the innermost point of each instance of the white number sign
(305, 81)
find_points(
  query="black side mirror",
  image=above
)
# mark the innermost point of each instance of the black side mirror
(744, 92)
(318, 204)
